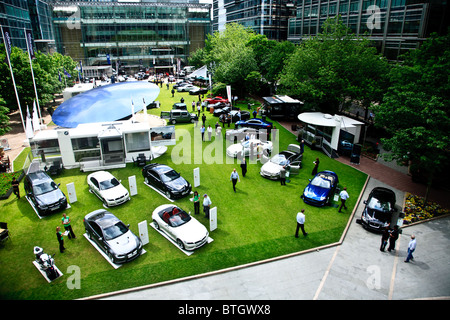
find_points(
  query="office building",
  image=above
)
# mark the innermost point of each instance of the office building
(395, 26)
(144, 33)
(268, 17)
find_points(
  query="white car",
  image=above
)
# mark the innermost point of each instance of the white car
(185, 88)
(291, 158)
(105, 186)
(185, 230)
(245, 146)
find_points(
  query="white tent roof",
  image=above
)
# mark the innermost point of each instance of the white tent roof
(200, 72)
(327, 120)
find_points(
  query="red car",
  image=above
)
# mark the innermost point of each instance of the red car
(216, 100)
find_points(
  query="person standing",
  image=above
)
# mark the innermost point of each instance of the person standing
(66, 224)
(411, 248)
(283, 175)
(302, 146)
(202, 130)
(204, 119)
(316, 167)
(344, 196)
(206, 205)
(392, 238)
(59, 236)
(384, 238)
(234, 178)
(209, 132)
(196, 200)
(243, 166)
(173, 91)
(193, 106)
(301, 223)
(15, 187)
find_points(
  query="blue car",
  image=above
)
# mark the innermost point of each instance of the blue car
(320, 189)
(255, 123)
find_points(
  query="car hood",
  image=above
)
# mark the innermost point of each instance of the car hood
(378, 216)
(113, 193)
(316, 193)
(124, 244)
(50, 197)
(177, 184)
(235, 148)
(271, 168)
(191, 231)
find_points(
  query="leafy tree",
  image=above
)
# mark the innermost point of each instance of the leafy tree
(4, 119)
(334, 67)
(415, 109)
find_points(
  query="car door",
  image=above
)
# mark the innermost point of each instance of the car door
(295, 167)
(95, 187)
(96, 234)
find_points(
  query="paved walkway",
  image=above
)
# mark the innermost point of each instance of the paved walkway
(354, 268)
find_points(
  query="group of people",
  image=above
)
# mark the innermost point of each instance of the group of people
(391, 236)
(206, 204)
(65, 220)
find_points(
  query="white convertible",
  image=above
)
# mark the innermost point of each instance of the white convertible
(291, 158)
(245, 146)
(105, 186)
(185, 230)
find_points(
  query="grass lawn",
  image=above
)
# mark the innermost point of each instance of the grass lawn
(256, 223)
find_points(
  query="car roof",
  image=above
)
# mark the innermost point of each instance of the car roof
(39, 176)
(101, 175)
(160, 168)
(103, 218)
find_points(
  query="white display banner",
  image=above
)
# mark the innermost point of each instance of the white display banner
(143, 232)
(229, 94)
(213, 219)
(132, 185)
(71, 192)
(196, 177)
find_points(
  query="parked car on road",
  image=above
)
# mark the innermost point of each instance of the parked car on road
(107, 188)
(166, 180)
(44, 193)
(184, 229)
(112, 236)
(321, 188)
(380, 206)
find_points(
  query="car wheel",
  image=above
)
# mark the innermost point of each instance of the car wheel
(180, 244)
(88, 235)
(167, 193)
(173, 122)
(156, 225)
(146, 180)
(192, 120)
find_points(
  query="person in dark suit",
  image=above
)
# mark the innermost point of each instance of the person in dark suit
(244, 167)
(15, 186)
(392, 238)
(384, 238)
(316, 167)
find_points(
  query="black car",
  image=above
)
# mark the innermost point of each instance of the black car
(44, 193)
(379, 209)
(112, 236)
(166, 180)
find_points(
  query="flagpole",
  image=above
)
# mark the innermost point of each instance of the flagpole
(34, 82)
(14, 81)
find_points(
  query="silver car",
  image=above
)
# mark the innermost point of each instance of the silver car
(291, 158)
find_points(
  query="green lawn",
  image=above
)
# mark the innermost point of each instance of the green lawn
(256, 223)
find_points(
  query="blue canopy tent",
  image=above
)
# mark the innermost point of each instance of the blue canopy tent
(107, 103)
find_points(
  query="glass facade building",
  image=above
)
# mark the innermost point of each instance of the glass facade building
(28, 14)
(395, 26)
(145, 33)
(268, 17)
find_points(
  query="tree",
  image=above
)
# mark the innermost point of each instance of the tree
(4, 119)
(334, 67)
(415, 109)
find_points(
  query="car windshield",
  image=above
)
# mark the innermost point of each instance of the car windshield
(114, 231)
(376, 204)
(108, 184)
(322, 181)
(169, 176)
(179, 219)
(45, 187)
(279, 159)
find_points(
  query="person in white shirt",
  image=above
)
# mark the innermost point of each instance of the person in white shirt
(206, 205)
(301, 223)
(234, 178)
(411, 248)
(344, 196)
(209, 132)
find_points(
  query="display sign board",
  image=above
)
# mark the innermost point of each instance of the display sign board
(213, 219)
(132, 185)
(71, 192)
(196, 177)
(143, 232)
